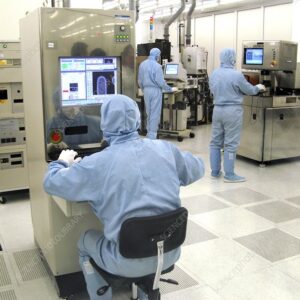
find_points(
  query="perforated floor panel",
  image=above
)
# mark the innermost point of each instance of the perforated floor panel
(179, 275)
(8, 295)
(30, 264)
(4, 276)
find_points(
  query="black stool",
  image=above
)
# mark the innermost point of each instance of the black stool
(143, 237)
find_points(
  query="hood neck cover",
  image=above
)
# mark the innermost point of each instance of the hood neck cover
(154, 53)
(120, 119)
(227, 58)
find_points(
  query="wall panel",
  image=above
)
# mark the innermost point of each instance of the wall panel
(204, 37)
(278, 22)
(225, 34)
(250, 27)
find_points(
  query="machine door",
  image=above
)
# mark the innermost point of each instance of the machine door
(251, 145)
(285, 132)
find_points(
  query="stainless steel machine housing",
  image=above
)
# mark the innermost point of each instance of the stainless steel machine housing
(46, 35)
(277, 55)
(271, 128)
(271, 125)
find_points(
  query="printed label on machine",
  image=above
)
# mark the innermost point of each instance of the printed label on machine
(9, 125)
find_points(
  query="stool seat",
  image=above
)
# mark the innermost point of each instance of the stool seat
(110, 278)
(142, 237)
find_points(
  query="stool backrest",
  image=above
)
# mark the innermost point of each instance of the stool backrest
(139, 235)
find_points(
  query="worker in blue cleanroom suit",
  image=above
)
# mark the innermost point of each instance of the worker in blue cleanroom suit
(151, 81)
(228, 87)
(131, 177)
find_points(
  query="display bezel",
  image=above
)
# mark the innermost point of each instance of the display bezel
(257, 63)
(88, 100)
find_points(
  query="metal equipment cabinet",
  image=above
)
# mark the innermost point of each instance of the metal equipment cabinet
(271, 128)
(13, 163)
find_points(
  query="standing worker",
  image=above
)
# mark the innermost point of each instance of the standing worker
(228, 87)
(132, 177)
(151, 81)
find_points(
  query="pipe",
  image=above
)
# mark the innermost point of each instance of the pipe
(134, 6)
(181, 36)
(60, 3)
(172, 19)
(131, 4)
(137, 7)
(189, 22)
(66, 3)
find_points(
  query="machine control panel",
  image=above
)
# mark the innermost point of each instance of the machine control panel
(283, 101)
(122, 34)
(11, 160)
(11, 98)
(269, 55)
(12, 132)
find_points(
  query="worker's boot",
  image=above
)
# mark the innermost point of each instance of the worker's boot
(215, 162)
(230, 176)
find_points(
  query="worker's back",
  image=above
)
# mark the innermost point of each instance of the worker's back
(149, 72)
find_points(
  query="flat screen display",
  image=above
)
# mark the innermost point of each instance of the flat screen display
(253, 56)
(171, 69)
(88, 80)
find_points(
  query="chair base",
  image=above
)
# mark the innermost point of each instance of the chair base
(145, 283)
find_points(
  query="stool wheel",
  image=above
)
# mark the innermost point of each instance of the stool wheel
(103, 290)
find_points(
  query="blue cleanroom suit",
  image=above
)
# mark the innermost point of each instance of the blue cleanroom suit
(228, 87)
(131, 177)
(151, 81)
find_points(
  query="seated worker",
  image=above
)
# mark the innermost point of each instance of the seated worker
(132, 177)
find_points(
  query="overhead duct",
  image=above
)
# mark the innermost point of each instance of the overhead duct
(189, 22)
(181, 36)
(137, 10)
(134, 6)
(60, 3)
(131, 4)
(172, 19)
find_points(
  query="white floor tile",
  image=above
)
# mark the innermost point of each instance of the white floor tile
(269, 284)
(217, 261)
(232, 222)
(292, 227)
(195, 293)
(290, 267)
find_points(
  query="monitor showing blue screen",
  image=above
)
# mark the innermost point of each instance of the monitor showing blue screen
(88, 80)
(253, 56)
(171, 69)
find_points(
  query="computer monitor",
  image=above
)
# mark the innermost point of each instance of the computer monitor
(88, 80)
(171, 69)
(253, 56)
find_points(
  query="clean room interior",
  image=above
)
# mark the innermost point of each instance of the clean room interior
(243, 238)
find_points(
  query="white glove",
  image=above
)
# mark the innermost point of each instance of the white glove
(174, 89)
(261, 87)
(68, 156)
